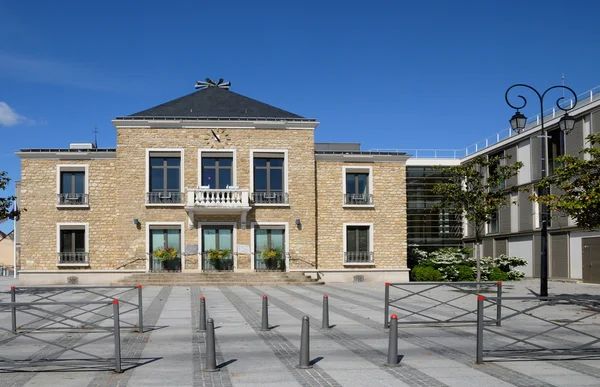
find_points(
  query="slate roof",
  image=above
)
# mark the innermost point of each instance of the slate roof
(215, 103)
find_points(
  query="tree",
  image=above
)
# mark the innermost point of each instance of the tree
(5, 203)
(474, 196)
(577, 182)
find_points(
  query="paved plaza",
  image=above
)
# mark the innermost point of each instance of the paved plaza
(352, 353)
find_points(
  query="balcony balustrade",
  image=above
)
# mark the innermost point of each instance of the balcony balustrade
(229, 198)
(72, 199)
(73, 258)
(361, 257)
(358, 199)
(164, 198)
(269, 198)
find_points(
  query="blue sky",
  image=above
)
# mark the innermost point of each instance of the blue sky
(388, 74)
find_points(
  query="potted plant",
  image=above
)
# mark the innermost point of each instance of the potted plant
(217, 257)
(165, 255)
(270, 256)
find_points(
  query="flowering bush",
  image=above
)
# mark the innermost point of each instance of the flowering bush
(165, 253)
(215, 254)
(271, 253)
(453, 263)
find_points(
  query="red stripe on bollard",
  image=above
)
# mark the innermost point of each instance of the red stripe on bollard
(139, 286)
(394, 316)
(265, 296)
(12, 288)
(387, 284)
(325, 296)
(499, 282)
(480, 298)
(115, 301)
(202, 297)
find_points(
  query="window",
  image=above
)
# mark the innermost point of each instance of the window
(269, 172)
(358, 244)
(72, 186)
(217, 172)
(493, 168)
(161, 238)
(269, 246)
(493, 224)
(165, 177)
(72, 244)
(358, 187)
(556, 148)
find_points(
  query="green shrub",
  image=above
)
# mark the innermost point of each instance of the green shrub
(465, 273)
(426, 273)
(496, 274)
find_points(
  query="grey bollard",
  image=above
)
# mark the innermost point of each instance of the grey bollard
(305, 344)
(211, 358)
(13, 310)
(140, 311)
(499, 305)
(386, 306)
(265, 314)
(202, 316)
(479, 342)
(117, 335)
(392, 358)
(325, 323)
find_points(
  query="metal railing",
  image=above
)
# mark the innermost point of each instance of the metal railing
(164, 197)
(358, 199)
(270, 264)
(269, 198)
(229, 198)
(170, 265)
(72, 199)
(72, 258)
(217, 264)
(538, 327)
(351, 257)
(94, 332)
(414, 302)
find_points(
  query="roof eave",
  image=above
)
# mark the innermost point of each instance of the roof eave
(214, 122)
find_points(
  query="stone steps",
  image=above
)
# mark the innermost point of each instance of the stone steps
(218, 279)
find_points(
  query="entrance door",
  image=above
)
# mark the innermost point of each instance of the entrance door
(217, 248)
(269, 246)
(160, 240)
(591, 259)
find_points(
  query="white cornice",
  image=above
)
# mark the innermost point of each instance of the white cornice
(210, 124)
(67, 155)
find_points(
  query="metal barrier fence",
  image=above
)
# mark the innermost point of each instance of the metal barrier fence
(417, 305)
(95, 333)
(534, 327)
(56, 294)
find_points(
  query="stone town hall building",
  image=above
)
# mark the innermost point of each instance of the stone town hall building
(221, 182)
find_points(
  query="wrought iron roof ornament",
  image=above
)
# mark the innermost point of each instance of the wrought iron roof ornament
(210, 83)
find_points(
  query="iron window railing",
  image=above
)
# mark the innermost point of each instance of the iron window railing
(270, 264)
(164, 198)
(269, 197)
(217, 264)
(72, 199)
(73, 258)
(358, 257)
(358, 199)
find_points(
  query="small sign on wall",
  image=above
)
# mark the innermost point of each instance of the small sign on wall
(243, 249)
(191, 250)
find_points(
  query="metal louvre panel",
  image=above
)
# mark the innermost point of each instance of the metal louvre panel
(273, 155)
(537, 248)
(488, 247)
(512, 152)
(504, 215)
(165, 154)
(559, 255)
(217, 154)
(596, 122)
(269, 227)
(574, 140)
(536, 156)
(525, 212)
(500, 247)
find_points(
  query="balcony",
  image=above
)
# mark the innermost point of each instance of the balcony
(358, 200)
(72, 199)
(226, 201)
(269, 198)
(164, 198)
(72, 259)
(358, 258)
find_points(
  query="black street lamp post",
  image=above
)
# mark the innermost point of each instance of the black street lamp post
(566, 124)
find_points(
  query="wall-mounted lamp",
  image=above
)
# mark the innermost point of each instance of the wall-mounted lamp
(298, 223)
(136, 221)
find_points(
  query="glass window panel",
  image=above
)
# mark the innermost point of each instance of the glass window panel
(209, 178)
(259, 162)
(224, 177)
(173, 161)
(66, 241)
(210, 239)
(174, 239)
(277, 239)
(350, 185)
(276, 179)
(208, 161)
(225, 239)
(80, 241)
(350, 239)
(260, 237)
(173, 179)
(363, 183)
(157, 179)
(156, 161)
(276, 162)
(157, 239)
(363, 239)
(260, 180)
(79, 182)
(66, 183)
(225, 162)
